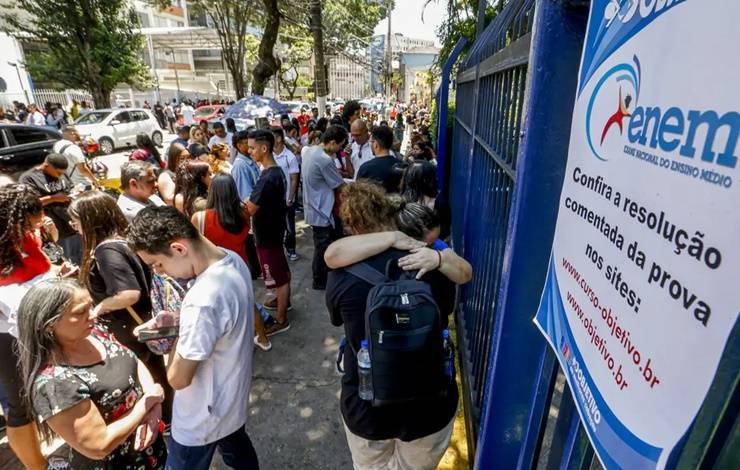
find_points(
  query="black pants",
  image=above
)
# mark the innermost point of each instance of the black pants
(10, 375)
(254, 264)
(322, 238)
(290, 226)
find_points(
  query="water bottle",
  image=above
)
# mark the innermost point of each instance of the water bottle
(448, 356)
(363, 367)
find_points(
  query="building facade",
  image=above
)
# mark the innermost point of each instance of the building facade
(378, 58)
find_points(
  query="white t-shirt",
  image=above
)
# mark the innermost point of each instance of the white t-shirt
(219, 140)
(130, 206)
(188, 114)
(361, 154)
(216, 329)
(73, 154)
(287, 162)
(36, 119)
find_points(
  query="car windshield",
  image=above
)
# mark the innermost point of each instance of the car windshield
(94, 117)
(204, 111)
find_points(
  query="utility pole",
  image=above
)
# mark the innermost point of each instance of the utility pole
(322, 87)
(389, 57)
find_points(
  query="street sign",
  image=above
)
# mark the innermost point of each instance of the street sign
(642, 290)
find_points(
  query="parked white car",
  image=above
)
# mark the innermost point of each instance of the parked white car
(117, 127)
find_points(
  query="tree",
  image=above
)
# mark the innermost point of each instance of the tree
(322, 85)
(297, 50)
(267, 64)
(230, 19)
(460, 22)
(92, 45)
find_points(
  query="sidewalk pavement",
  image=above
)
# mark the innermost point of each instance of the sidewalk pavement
(294, 419)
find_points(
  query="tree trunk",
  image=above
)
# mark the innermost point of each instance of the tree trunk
(267, 63)
(101, 97)
(322, 87)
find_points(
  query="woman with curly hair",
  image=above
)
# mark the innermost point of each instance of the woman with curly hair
(21, 260)
(191, 186)
(118, 281)
(219, 157)
(415, 432)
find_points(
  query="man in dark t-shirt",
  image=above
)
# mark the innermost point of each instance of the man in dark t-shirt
(422, 424)
(380, 169)
(54, 187)
(268, 209)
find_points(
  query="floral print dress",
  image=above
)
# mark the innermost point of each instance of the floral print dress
(113, 386)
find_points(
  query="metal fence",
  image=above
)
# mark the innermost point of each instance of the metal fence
(41, 96)
(514, 99)
(490, 98)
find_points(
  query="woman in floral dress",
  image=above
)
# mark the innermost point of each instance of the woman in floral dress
(85, 386)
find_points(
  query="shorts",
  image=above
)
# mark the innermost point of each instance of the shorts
(274, 266)
(10, 375)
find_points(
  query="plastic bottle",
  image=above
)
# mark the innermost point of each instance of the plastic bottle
(449, 356)
(363, 368)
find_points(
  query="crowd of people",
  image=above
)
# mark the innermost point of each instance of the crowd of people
(86, 273)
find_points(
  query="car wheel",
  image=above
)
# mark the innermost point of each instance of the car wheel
(157, 138)
(106, 145)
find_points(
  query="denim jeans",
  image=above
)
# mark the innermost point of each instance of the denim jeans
(236, 450)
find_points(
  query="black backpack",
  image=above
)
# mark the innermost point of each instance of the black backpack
(404, 333)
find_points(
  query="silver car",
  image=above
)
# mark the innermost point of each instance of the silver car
(117, 127)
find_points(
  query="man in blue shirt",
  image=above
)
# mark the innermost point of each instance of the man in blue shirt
(245, 170)
(246, 173)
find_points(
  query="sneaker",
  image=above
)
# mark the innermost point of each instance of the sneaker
(264, 347)
(272, 305)
(277, 328)
(293, 256)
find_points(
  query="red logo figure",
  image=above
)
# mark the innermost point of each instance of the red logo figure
(617, 117)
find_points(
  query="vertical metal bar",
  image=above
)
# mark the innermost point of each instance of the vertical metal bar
(517, 347)
(566, 425)
(443, 166)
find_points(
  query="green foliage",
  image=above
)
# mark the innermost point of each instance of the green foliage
(460, 22)
(88, 44)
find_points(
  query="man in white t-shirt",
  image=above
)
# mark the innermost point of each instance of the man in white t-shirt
(220, 136)
(361, 148)
(188, 114)
(287, 162)
(210, 366)
(77, 170)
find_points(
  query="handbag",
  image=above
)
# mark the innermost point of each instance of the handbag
(52, 250)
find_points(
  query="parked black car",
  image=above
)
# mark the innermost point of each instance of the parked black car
(22, 147)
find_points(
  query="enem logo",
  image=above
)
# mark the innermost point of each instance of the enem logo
(670, 129)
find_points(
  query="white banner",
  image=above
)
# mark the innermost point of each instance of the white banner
(642, 292)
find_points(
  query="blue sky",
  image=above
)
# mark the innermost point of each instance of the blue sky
(406, 19)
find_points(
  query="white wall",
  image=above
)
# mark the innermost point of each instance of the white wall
(10, 51)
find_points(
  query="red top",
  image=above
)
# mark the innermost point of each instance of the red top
(303, 121)
(33, 262)
(213, 231)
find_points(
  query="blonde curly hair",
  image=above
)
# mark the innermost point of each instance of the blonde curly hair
(367, 208)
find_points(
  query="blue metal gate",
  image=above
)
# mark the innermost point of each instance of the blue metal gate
(514, 100)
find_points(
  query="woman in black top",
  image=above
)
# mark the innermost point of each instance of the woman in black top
(84, 386)
(118, 281)
(419, 184)
(406, 428)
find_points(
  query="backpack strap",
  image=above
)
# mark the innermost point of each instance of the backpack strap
(367, 273)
